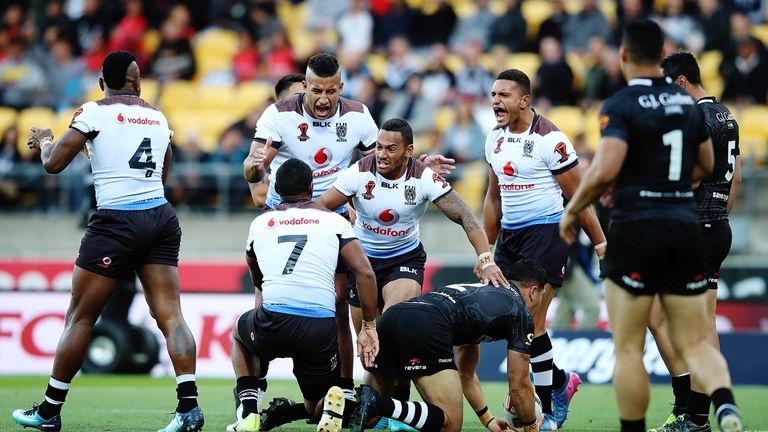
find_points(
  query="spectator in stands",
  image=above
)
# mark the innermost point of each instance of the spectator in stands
(604, 78)
(245, 63)
(627, 11)
(553, 26)
(553, 84)
(13, 20)
(433, 23)
(679, 27)
(462, 140)
(510, 28)
(180, 14)
(401, 63)
(473, 27)
(90, 28)
(411, 105)
(438, 82)
(473, 79)
(368, 94)
(129, 31)
(353, 72)
(195, 189)
(355, 28)
(9, 159)
(746, 78)
(22, 80)
(579, 28)
(263, 18)
(174, 58)
(715, 21)
(55, 17)
(391, 22)
(63, 74)
(279, 61)
(232, 151)
(323, 13)
(755, 10)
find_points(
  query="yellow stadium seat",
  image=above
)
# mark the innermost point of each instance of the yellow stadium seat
(592, 128)
(579, 70)
(377, 64)
(177, 95)
(445, 117)
(471, 186)
(215, 97)
(62, 120)
(253, 94)
(753, 131)
(464, 8)
(535, 12)
(454, 62)
(568, 119)
(150, 41)
(7, 118)
(150, 89)
(709, 63)
(761, 32)
(32, 117)
(526, 62)
(216, 40)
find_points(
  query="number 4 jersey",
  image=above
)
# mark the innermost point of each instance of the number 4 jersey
(297, 246)
(127, 141)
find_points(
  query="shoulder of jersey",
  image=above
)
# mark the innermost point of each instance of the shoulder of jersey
(543, 126)
(290, 104)
(125, 100)
(347, 106)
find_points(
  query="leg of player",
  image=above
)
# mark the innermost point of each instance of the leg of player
(698, 400)
(161, 290)
(344, 335)
(250, 388)
(708, 367)
(628, 318)
(542, 363)
(681, 379)
(90, 292)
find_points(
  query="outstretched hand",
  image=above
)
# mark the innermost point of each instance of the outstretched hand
(498, 425)
(259, 155)
(36, 136)
(438, 163)
(368, 345)
(493, 275)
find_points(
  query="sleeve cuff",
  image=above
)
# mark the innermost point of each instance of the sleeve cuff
(565, 168)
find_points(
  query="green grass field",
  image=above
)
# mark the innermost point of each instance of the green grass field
(140, 403)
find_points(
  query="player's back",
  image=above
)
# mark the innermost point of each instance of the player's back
(712, 195)
(482, 313)
(127, 141)
(663, 128)
(297, 247)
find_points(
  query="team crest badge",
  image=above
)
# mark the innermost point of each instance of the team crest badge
(410, 195)
(303, 128)
(562, 151)
(499, 142)
(437, 178)
(369, 190)
(341, 132)
(528, 149)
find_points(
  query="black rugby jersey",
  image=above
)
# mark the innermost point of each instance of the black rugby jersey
(663, 127)
(483, 313)
(713, 193)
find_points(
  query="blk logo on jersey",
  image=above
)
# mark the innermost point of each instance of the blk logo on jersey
(369, 190)
(341, 132)
(387, 217)
(303, 128)
(321, 158)
(561, 150)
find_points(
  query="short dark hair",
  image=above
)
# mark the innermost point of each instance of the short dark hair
(682, 63)
(293, 178)
(285, 83)
(518, 76)
(400, 126)
(323, 65)
(115, 68)
(528, 272)
(643, 40)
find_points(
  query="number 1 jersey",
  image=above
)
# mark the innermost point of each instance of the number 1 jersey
(127, 141)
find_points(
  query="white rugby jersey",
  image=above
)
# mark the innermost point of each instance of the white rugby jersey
(326, 145)
(127, 140)
(526, 165)
(297, 246)
(388, 211)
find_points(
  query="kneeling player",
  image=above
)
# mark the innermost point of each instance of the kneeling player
(292, 255)
(417, 340)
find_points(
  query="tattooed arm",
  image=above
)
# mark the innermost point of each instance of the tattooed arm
(457, 210)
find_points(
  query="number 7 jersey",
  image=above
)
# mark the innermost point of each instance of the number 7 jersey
(127, 141)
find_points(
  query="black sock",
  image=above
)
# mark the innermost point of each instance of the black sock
(633, 425)
(346, 383)
(424, 417)
(681, 387)
(724, 403)
(698, 407)
(558, 377)
(250, 390)
(297, 411)
(402, 391)
(186, 392)
(541, 364)
(55, 394)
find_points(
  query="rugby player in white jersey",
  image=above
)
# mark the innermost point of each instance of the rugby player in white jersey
(532, 165)
(133, 229)
(292, 254)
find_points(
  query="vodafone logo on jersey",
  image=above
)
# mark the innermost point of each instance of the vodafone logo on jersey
(293, 221)
(321, 158)
(508, 169)
(387, 217)
(510, 172)
(386, 231)
(271, 223)
(122, 119)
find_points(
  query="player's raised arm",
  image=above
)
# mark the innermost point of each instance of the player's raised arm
(255, 164)
(492, 208)
(56, 156)
(367, 341)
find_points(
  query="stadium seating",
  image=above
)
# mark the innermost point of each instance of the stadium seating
(753, 131)
(526, 62)
(568, 119)
(7, 117)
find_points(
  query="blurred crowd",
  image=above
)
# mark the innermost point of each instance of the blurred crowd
(431, 62)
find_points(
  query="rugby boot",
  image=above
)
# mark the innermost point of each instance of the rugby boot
(31, 418)
(731, 422)
(548, 423)
(333, 411)
(395, 425)
(362, 415)
(248, 424)
(561, 398)
(682, 423)
(277, 413)
(186, 422)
